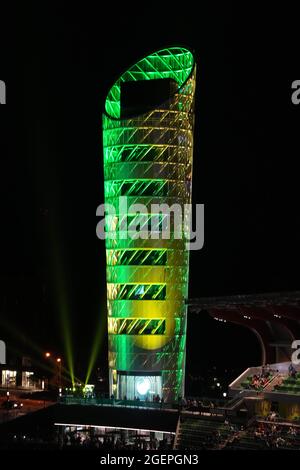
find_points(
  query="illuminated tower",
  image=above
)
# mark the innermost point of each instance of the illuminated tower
(148, 148)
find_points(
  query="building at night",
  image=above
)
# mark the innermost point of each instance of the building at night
(18, 372)
(148, 148)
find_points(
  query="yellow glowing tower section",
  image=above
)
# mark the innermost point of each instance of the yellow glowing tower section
(148, 149)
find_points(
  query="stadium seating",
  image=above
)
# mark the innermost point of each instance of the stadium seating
(278, 438)
(196, 433)
(249, 382)
(289, 385)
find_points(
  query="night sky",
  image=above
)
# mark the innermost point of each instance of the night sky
(58, 64)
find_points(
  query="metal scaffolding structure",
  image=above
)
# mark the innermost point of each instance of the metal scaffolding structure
(274, 318)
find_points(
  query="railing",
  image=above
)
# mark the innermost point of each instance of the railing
(269, 386)
(177, 433)
(236, 401)
(69, 400)
(250, 371)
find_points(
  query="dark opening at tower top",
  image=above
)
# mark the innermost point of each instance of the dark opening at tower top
(138, 97)
(173, 63)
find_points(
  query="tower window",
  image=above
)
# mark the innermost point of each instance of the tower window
(137, 326)
(136, 291)
(137, 257)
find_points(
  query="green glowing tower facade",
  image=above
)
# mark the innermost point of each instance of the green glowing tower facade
(148, 148)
